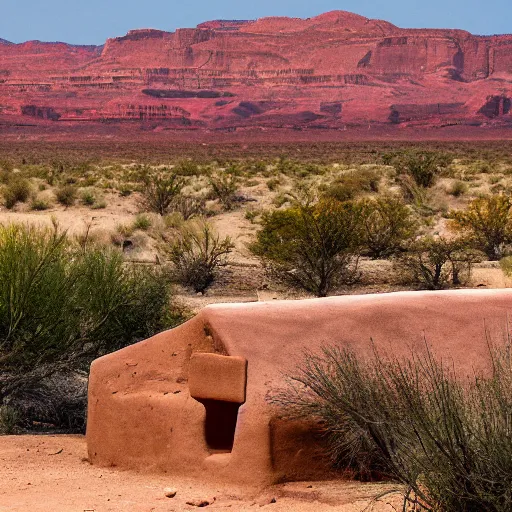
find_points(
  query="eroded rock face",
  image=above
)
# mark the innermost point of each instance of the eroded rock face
(331, 71)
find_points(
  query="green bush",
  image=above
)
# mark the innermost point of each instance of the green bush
(487, 222)
(223, 188)
(16, 191)
(349, 186)
(448, 442)
(196, 253)
(88, 197)
(506, 265)
(160, 190)
(142, 222)
(62, 305)
(387, 225)
(40, 204)
(9, 420)
(313, 247)
(187, 168)
(423, 166)
(437, 263)
(66, 195)
(458, 188)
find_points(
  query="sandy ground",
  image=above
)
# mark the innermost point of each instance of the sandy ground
(52, 474)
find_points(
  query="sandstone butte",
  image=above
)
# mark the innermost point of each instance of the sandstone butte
(195, 400)
(335, 71)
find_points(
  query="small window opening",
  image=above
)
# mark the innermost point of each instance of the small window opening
(220, 424)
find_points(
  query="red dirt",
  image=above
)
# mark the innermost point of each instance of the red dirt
(51, 473)
(336, 72)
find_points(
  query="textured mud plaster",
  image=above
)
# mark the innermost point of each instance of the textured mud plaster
(194, 400)
(216, 377)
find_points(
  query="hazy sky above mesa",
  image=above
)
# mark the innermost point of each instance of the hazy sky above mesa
(93, 21)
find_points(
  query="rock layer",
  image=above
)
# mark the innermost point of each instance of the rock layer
(333, 71)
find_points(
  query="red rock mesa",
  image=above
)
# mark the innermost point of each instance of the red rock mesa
(334, 71)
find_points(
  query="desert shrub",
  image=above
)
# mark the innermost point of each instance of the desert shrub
(437, 263)
(252, 214)
(16, 191)
(142, 222)
(188, 206)
(61, 305)
(458, 188)
(387, 224)
(40, 204)
(224, 187)
(187, 168)
(159, 190)
(66, 195)
(281, 199)
(99, 203)
(423, 166)
(412, 193)
(87, 197)
(196, 253)
(315, 247)
(350, 185)
(273, 183)
(125, 190)
(448, 442)
(9, 420)
(506, 265)
(487, 222)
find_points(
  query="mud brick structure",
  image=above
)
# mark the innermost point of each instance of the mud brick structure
(195, 400)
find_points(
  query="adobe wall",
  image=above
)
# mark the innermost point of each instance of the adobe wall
(143, 414)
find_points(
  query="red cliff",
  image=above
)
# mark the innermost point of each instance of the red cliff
(333, 71)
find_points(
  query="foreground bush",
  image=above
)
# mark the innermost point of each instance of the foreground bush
(488, 223)
(437, 263)
(314, 247)
(449, 443)
(62, 305)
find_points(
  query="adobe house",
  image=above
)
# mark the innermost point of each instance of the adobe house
(193, 400)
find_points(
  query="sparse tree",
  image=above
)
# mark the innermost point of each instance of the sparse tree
(315, 247)
(437, 263)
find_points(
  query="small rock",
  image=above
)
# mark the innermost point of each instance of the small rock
(169, 492)
(198, 503)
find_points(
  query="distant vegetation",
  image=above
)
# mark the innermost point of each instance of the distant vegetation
(312, 219)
